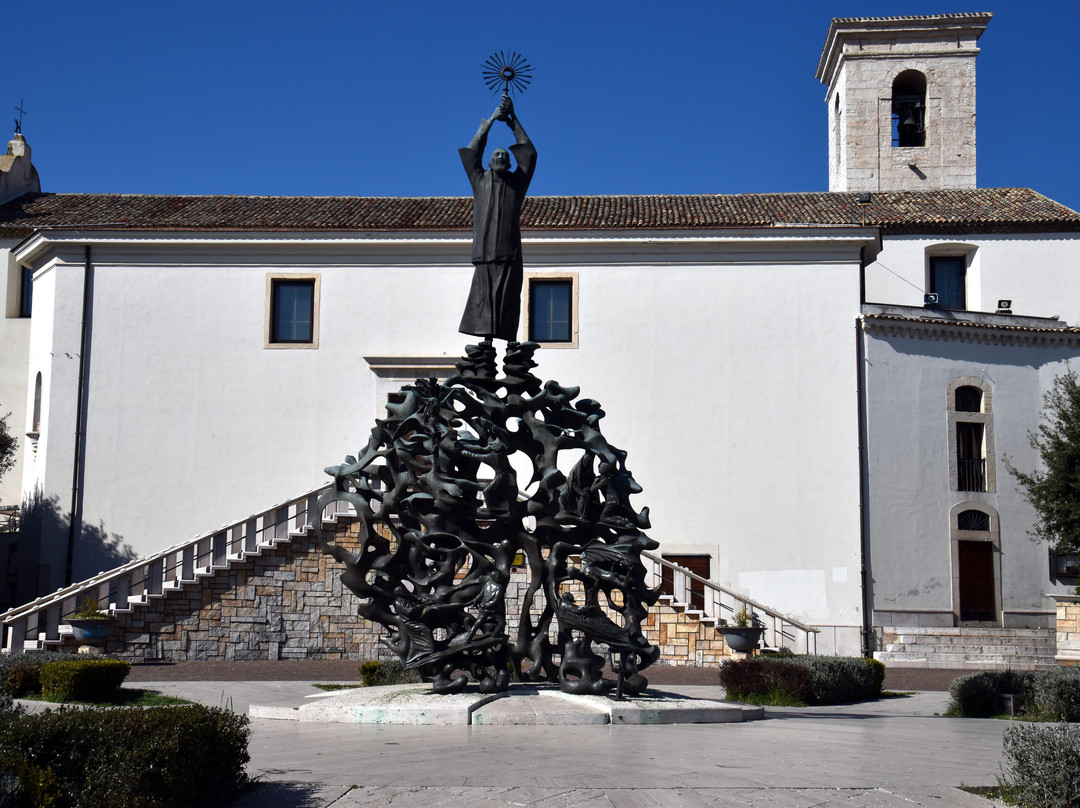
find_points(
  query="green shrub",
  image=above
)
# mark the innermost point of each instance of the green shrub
(756, 681)
(978, 695)
(1042, 766)
(838, 680)
(82, 679)
(802, 680)
(1055, 694)
(19, 673)
(389, 672)
(154, 757)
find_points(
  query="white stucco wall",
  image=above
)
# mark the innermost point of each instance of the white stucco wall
(15, 339)
(726, 370)
(910, 500)
(1030, 270)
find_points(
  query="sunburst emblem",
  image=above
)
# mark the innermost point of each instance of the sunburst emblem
(507, 71)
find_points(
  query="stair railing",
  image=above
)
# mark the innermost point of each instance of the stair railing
(31, 626)
(722, 604)
(35, 624)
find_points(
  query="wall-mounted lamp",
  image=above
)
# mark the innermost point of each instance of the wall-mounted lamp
(1004, 306)
(930, 300)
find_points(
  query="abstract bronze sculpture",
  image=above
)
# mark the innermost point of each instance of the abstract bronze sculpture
(443, 514)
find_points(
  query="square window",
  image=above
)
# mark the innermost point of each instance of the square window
(948, 279)
(551, 310)
(292, 311)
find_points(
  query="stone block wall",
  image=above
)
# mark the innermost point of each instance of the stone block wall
(1068, 631)
(683, 639)
(288, 603)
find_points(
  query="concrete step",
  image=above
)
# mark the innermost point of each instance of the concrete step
(1021, 649)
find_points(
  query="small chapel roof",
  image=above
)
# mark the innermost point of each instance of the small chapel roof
(981, 210)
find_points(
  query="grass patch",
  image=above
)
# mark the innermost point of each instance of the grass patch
(332, 687)
(122, 697)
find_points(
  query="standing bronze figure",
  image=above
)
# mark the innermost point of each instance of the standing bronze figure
(494, 305)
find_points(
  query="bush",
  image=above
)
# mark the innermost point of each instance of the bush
(1055, 694)
(154, 757)
(978, 695)
(802, 680)
(82, 679)
(837, 680)
(390, 672)
(1042, 766)
(756, 681)
(19, 673)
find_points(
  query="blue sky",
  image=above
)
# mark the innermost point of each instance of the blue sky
(365, 98)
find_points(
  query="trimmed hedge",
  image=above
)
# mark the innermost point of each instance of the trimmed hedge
(376, 672)
(82, 679)
(19, 673)
(1042, 766)
(154, 757)
(802, 680)
(1055, 694)
(1052, 695)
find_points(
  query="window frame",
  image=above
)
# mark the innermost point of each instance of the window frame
(931, 284)
(273, 282)
(533, 278)
(985, 418)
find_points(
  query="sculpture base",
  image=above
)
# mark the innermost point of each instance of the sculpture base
(523, 704)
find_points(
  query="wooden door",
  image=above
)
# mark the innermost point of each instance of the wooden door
(977, 581)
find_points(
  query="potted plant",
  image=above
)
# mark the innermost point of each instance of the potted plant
(744, 634)
(90, 625)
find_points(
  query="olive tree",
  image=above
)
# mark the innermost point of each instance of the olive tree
(8, 445)
(1054, 488)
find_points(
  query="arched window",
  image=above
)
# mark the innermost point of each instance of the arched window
(971, 435)
(968, 399)
(973, 520)
(909, 109)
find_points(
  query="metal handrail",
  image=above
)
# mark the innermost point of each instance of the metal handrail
(160, 559)
(181, 562)
(779, 621)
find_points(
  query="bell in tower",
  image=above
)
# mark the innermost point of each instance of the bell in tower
(908, 116)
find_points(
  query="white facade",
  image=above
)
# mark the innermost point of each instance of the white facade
(191, 421)
(782, 393)
(914, 362)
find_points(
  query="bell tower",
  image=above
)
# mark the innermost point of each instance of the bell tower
(901, 101)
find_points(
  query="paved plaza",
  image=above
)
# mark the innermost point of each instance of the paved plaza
(894, 752)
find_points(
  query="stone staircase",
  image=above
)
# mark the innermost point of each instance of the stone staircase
(975, 648)
(262, 589)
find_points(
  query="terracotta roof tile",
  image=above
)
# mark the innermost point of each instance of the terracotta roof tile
(984, 210)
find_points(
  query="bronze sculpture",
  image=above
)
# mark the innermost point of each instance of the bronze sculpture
(494, 304)
(443, 515)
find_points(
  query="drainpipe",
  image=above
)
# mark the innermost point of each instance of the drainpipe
(78, 461)
(864, 485)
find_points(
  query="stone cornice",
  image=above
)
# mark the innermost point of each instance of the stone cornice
(974, 327)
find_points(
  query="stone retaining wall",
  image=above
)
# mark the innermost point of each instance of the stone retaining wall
(288, 603)
(1068, 631)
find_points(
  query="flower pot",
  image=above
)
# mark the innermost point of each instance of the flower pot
(90, 630)
(742, 639)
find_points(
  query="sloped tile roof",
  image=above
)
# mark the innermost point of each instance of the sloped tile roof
(984, 210)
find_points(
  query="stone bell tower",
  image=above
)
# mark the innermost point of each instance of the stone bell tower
(901, 101)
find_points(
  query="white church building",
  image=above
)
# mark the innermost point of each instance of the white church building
(816, 390)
